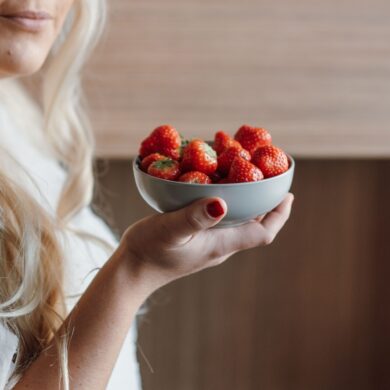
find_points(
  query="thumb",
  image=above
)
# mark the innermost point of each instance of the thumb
(200, 215)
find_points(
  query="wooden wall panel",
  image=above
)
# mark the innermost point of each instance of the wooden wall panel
(309, 312)
(317, 73)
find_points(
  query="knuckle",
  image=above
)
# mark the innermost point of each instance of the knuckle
(268, 238)
(217, 261)
(192, 220)
(216, 254)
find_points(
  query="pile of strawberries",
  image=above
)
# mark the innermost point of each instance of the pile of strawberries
(246, 157)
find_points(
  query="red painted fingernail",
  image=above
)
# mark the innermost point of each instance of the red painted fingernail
(215, 209)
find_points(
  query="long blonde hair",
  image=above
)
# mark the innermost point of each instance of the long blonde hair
(31, 275)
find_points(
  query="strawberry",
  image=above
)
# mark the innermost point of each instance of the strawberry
(226, 158)
(199, 156)
(150, 159)
(223, 141)
(252, 138)
(271, 160)
(167, 169)
(164, 140)
(195, 177)
(244, 171)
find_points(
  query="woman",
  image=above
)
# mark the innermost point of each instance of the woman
(54, 252)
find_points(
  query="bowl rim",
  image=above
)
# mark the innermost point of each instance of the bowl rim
(136, 167)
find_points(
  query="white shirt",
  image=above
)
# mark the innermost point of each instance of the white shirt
(83, 257)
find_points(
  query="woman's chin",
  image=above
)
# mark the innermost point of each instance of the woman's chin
(14, 62)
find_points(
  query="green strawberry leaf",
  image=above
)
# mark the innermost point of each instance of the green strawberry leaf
(184, 143)
(163, 164)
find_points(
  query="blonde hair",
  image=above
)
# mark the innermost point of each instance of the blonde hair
(31, 296)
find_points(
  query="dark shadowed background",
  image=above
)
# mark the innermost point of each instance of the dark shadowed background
(309, 312)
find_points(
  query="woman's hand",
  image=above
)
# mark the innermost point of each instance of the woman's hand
(165, 247)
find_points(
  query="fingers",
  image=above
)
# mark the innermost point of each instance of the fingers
(180, 225)
(260, 218)
(276, 219)
(254, 233)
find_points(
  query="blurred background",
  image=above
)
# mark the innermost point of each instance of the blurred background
(311, 311)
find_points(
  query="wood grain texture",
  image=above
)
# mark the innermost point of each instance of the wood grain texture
(309, 312)
(316, 73)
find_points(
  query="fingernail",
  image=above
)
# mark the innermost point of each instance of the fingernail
(215, 209)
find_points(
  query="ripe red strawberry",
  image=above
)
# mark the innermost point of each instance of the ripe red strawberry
(164, 140)
(150, 159)
(252, 138)
(195, 177)
(199, 156)
(271, 160)
(167, 169)
(222, 141)
(226, 158)
(244, 171)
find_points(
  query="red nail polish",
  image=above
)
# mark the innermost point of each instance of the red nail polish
(215, 209)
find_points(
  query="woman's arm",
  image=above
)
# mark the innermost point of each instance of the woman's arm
(97, 327)
(152, 253)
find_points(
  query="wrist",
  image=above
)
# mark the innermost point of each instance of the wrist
(135, 273)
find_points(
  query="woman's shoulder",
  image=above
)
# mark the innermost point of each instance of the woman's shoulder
(8, 348)
(7, 338)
